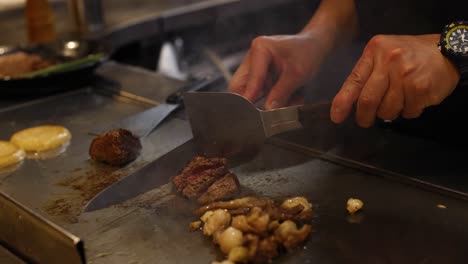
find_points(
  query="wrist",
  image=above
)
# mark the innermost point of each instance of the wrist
(335, 22)
(321, 36)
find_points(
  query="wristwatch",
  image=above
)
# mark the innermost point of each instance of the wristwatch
(454, 45)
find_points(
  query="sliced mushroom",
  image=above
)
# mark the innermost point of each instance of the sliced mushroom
(267, 250)
(290, 236)
(255, 222)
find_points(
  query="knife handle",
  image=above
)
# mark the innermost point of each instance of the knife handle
(280, 120)
(196, 85)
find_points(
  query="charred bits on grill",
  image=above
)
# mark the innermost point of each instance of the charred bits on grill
(117, 147)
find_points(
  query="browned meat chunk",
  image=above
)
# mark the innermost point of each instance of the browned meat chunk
(199, 164)
(20, 63)
(200, 182)
(116, 147)
(225, 187)
(207, 180)
(196, 166)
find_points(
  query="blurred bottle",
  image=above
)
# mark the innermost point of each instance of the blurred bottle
(40, 21)
(87, 16)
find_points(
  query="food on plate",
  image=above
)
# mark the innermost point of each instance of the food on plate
(254, 230)
(207, 180)
(41, 138)
(10, 154)
(20, 63)
(353, 205)
(117, 147)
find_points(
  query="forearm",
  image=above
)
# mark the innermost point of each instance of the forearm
(335, 22)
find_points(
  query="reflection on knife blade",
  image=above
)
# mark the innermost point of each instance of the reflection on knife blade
(143, 123)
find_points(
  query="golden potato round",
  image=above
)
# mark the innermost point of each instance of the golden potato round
(10, 154)
(41, 138)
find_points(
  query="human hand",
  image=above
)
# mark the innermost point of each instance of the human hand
(277, 66)
(396, 75)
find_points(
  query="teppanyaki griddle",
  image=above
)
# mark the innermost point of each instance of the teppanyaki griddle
(400, 222)
(404, 220)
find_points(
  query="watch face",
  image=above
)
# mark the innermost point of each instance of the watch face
(457, 39)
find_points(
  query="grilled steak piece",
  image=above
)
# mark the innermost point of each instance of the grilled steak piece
(225, 187)
(116, 147)
(208, 179)
(196, 166)
(198, 183)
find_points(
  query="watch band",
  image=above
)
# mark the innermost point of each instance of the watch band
(456, 56)
(463, 75)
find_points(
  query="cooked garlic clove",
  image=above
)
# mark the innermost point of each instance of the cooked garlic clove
(353, 205)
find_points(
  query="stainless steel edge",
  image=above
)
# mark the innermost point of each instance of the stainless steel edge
(46, 242)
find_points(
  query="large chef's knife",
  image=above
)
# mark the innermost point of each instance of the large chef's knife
(228, 125)
(143, 123)
(232, 122)
(148, 177)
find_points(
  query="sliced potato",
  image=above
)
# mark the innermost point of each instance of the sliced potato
(10, 154)
(47, 154)
(41, 138)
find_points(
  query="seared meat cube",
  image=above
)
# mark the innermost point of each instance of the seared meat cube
(225, 187)
(199, 183)
(196, 166)
(116, 147)
(208, 179)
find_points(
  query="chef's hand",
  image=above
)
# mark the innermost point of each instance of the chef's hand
(277, 66)
(396, 75)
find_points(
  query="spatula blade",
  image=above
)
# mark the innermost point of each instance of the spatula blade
(224, 124)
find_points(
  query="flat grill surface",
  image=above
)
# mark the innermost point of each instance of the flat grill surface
(399, 224)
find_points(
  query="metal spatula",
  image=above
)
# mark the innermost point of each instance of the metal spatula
(228, 125)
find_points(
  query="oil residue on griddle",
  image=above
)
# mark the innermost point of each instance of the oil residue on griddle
(83, 187)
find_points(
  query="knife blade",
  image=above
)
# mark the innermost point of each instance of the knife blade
(143, 123)
(153, 175)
